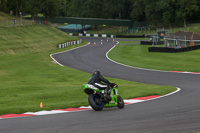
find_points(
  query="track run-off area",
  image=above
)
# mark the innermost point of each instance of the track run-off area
(175, 113)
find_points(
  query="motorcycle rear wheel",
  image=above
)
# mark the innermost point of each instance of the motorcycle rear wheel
(95, 102)
(120, 102)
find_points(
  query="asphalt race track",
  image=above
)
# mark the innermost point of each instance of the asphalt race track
(177, 113)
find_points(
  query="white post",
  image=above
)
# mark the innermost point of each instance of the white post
(174, 41)
(20, 17)
(185, 40)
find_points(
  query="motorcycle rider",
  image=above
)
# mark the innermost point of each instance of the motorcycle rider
(100, 82)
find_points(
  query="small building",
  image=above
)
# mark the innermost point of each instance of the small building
(182, 39)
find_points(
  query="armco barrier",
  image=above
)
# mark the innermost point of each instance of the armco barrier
(146, 42)
(105, 35)
(173, 50)
(151, 42)
(92, 35)
(130, 36)
(69, 43)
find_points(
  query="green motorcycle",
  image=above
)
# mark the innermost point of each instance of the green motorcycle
(97, 99)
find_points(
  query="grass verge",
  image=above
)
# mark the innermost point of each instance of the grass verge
(138, 56)
(129, 42)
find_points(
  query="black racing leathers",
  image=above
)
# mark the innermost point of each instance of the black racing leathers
(99, 79)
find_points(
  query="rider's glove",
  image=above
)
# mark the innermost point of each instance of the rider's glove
(112, 84)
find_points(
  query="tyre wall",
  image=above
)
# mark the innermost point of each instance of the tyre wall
(173, 50)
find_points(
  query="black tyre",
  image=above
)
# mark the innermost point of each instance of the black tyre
(95, 102)
(120, 102)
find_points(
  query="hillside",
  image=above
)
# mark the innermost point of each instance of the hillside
(33, 38)
(4, 16)
(28, 38)
(28, 74)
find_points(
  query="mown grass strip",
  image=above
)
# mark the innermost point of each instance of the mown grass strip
(138, 56)
(129, 42)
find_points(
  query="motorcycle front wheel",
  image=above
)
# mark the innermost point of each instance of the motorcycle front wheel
(95, 102)
(120, 102)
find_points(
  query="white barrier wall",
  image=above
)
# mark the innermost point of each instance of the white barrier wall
(104, 35)
(96, 35)
(88, 35)
(69, 43)
(93, 35)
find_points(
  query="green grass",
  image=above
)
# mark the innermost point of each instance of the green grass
(29, 76)
(128, 42)
(32, 39)
(135, 38)
(4, 16)
(138, 56)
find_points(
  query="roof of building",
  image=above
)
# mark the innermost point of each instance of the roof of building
(184, 35)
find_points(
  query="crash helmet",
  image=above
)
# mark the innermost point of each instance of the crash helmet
(96, 72)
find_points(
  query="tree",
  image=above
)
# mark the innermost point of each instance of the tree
(3, 6)
(74, 8)
(168, 10)
(117, 9)
(93, 9)
(16, 5)
(151, 11)
(65, 9)
(157, 12)
(186, 8)
(33, 7)
(138, 11)
(97, 8)
(50, 8)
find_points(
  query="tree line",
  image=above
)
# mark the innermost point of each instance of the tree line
(157, 12)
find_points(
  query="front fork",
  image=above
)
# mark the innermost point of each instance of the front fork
(114, 94)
